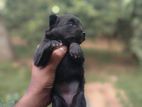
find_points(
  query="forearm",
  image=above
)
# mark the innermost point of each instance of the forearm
(38, 95)
(39, 92)
(35, 99)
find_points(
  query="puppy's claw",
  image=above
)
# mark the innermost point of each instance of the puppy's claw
(75, 51)
(55, 44)
(61, 44)
(75, 57)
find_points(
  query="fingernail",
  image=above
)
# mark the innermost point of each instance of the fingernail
(61, 44)
(63, 48)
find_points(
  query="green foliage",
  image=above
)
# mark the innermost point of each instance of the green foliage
(30, 19)
(136, 44)
(26, 18)
(112, 18)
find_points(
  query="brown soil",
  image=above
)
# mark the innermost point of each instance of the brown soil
(103, 95)
(104, 44)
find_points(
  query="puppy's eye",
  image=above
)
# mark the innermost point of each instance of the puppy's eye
(71, 24)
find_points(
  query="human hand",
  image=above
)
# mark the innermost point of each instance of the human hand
(42, 79)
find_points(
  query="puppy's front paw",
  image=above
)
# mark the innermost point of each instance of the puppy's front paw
(55, 44)
(75, 51)
(42, 53)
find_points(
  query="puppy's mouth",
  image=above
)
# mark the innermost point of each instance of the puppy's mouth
(79, 38)
(82, 38)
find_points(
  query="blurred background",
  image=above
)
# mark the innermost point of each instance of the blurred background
(113, 48)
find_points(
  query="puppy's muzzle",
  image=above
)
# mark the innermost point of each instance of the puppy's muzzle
(82, 37)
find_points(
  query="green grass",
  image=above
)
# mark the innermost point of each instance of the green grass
(131, 83)
(14, 79)
(13, 82)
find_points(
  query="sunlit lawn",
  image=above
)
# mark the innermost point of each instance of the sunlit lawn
(13, 82)
(14, 79)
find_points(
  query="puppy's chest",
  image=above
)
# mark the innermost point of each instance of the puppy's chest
(68, 69)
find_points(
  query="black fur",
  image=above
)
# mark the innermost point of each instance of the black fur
(68, 89)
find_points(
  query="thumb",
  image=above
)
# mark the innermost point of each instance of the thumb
(56, 57)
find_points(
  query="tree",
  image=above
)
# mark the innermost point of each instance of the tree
(136, 45)
(110, 18)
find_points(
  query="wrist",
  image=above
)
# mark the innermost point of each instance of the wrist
(34, 98)
(43, 96)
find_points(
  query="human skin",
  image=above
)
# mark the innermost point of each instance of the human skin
(39, 93)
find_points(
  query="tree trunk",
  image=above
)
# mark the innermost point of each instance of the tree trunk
(5, 45)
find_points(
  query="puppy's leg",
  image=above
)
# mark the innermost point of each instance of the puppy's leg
(43, 52)
(79, 100)
(76, 52)
(58, 102)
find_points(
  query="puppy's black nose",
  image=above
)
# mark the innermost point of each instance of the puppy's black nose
(84, 33)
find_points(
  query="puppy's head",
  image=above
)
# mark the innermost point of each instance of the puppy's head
(67, 28)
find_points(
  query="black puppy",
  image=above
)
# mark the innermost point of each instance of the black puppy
(68, 89)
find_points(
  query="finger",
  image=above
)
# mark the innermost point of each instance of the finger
(56, 57)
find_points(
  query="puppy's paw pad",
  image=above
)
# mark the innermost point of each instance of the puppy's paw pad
(75, 52)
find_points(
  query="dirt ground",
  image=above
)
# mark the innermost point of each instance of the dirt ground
(103, 95)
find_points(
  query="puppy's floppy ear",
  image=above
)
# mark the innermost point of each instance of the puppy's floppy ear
(52, 20)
